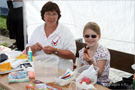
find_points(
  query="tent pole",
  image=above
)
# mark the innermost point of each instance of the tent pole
(24, 24)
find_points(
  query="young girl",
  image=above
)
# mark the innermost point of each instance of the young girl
(95, 53)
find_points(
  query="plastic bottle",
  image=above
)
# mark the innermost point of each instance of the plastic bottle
(29, 55)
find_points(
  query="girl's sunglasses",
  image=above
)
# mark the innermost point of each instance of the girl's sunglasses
(93, 36)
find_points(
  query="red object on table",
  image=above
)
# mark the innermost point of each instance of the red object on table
(66, 76)
(87, 80)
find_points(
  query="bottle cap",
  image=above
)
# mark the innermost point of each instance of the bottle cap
(30, 49)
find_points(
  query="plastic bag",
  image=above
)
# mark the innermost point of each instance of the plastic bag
(90, 73)
(74, 86)
(62, 82)
(87, 77)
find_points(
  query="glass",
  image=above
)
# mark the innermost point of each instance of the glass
(53, 14)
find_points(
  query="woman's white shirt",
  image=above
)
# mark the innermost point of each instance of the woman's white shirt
(61, 38)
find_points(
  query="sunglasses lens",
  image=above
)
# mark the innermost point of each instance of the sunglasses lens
(93, 36)
(87, 36)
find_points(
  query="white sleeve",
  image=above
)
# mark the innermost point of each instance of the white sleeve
(69, 42)
(32, 39)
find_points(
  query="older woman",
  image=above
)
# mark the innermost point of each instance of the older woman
(53, 37)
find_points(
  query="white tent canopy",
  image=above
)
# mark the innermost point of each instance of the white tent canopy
(115, 18)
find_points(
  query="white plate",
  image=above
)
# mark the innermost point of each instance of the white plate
(14, 54)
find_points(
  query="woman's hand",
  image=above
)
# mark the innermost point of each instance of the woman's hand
(66, 54)
(49, 49)
(34, 48)
(37, 47)
(88, 58)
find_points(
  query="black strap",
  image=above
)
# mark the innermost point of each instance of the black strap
(10, 4)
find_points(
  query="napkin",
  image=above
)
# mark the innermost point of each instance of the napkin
(16, 63)
(22, 56)
(5, 66)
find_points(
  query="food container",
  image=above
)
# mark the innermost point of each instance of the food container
(45, 67)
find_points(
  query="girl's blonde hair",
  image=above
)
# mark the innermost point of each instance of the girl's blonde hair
(93, 26)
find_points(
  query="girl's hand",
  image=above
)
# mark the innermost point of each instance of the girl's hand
(88, 58)
(37, 47)
(49, 49)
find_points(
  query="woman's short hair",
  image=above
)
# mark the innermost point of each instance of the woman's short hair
(50, 6)
(93, 26)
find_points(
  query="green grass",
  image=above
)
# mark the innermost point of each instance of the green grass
(3, 27)
(3, 22)
(4, 44)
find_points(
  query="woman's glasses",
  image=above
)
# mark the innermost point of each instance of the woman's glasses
(93, 36)
(53, 14)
